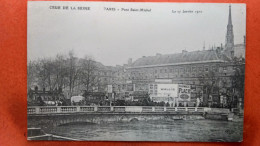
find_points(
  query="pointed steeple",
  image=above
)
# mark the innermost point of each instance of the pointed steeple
(229, 16)
(229, 45)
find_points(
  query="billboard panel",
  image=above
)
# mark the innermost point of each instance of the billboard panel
(184, 92)
(167, 90)
(109, 89)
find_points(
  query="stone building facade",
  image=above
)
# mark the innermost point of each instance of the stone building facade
(193, 68)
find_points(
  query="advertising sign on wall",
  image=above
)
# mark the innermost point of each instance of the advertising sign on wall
(130, 87)
(109, 89)
(184, 93)
(167, 90)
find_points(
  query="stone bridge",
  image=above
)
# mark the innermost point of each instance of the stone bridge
(48, 116)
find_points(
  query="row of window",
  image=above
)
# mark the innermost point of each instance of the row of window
(183, 70)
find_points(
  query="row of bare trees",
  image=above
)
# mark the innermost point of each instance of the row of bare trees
(65, 72)
(231, 85)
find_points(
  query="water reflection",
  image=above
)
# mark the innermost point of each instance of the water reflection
(179, 130)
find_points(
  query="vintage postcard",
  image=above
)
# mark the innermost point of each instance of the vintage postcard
(114, 71)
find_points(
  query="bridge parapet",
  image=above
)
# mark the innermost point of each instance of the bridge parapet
(115, 109)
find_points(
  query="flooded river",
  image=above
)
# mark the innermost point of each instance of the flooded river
(179, 130)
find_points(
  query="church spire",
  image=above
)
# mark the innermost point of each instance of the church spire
(229, 45)
(229, 16)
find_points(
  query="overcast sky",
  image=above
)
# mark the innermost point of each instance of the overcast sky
(111, 37)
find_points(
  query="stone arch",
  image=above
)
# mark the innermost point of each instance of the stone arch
(135, 119)
(122, 118)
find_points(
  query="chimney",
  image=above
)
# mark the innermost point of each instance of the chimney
(36, 89)
(158, 54)
(218, 50)
(130, 61)
(244, 40)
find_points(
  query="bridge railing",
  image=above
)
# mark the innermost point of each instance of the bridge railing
(127, 109)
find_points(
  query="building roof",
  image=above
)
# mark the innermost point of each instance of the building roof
(180, 58)
(239, 50)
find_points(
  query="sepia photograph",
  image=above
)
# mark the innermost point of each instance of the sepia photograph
(121, 71)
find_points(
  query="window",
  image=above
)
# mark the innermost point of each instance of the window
(214, 68)
(181, 70)
(188, 69)
(194, 69)
(206, 68)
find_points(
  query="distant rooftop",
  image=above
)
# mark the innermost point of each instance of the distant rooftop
(184, 57)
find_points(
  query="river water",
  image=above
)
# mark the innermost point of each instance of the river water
(179, 130)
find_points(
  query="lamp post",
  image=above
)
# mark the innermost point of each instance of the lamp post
(114, 92)
(169, 99)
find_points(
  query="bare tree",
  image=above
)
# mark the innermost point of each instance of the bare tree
(45, 71)
(209, 82)
(89, 74)
(60, 71)
(31, 73)
(73, 72)
(237, 79)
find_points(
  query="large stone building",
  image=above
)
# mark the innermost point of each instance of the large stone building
(213, 68)
(210, 74)
(202, 69)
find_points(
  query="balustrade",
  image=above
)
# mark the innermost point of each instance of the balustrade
(103, 109)
(128, 109)
(86, 109)
(31, 110)
(147, 109)
(159, 109)
(170, 109)
(68, 109)
(48, 109)
(179, 109)
(119, 109)
(200, 109)
(133, 109)
(191, 109)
